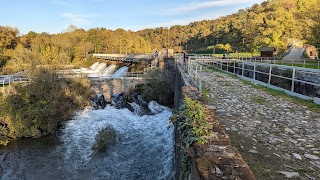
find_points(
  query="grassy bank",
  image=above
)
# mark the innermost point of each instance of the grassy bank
(37, 108)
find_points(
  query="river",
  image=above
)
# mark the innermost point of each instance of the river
(143, 149)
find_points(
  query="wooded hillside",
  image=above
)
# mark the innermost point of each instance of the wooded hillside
(277, 23)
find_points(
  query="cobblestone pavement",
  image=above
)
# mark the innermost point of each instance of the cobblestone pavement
(278, 138)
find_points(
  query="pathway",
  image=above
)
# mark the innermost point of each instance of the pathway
(295, 54)
(277, 138)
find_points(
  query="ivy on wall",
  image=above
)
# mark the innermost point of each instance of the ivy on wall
(192, 127)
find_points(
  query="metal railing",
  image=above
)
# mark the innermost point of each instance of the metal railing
(193, 71)
(301, 82)
(7, 81)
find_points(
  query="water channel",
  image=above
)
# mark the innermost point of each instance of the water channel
(143, 149)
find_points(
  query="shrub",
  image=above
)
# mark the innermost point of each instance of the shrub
(156, 88)
(192, 127)
(104, 139)
(38, 107)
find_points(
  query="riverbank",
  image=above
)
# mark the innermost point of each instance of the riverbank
(37, 108)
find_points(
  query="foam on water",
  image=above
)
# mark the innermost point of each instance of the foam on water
(144, 149)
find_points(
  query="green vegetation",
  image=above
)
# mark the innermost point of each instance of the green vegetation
(156, 88)
(309, 64)
(104, 139)
(192, 127)
(278, 23)
(260, 100)
(205, 95)
(37, 108)
(311, 105)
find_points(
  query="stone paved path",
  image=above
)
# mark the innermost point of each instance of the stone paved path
(277, 138)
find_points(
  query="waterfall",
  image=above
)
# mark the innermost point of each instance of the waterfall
(120, 72)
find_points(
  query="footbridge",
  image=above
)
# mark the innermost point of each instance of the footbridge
(125, 57)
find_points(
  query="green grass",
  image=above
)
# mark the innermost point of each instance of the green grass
(205, 95)
(311, 105)
(259, 100)
(311, 66)
(308, 103)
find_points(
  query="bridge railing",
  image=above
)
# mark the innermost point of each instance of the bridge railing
(193, 71)
(300, 82)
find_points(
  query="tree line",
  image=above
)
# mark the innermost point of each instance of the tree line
(277, 23)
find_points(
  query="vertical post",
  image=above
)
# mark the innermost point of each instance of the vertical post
(242, 68)
(3, 86)
(228, 65)
(234, 67)
(195, 76)
(254, 71)
(200, 80)
(270, 74)
(293, 77)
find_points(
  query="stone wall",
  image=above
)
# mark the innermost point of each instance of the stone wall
(217, 159)
(111, 86)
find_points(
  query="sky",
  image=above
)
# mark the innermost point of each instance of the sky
(54, 16)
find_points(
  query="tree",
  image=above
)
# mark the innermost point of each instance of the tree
(8, 38)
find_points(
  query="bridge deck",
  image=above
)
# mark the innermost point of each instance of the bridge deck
(124, 57)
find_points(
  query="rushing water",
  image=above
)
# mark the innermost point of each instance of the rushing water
(120, 72)
(143, 150)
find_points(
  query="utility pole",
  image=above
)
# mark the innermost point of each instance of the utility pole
(168, 38)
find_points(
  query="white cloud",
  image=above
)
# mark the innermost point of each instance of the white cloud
(187, 8)
(79, 19)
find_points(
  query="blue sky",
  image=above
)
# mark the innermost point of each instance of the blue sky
(54, 16)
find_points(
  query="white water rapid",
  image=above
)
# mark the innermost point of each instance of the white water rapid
(143, 149)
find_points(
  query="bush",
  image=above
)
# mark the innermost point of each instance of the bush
(104, 139)
(155, 88)
(192, 127)
(37, 108)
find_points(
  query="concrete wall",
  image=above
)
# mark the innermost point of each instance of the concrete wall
(111, 86)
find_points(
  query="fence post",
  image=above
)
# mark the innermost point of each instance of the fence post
(270, 72)
(3, 86)
(195, 76)
(254, 71)
(228, 65)
(242, 68)
(200, 80)
(234, 67)
(293, 77)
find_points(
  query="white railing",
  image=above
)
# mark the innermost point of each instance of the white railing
(295, 77)
(193, 71)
